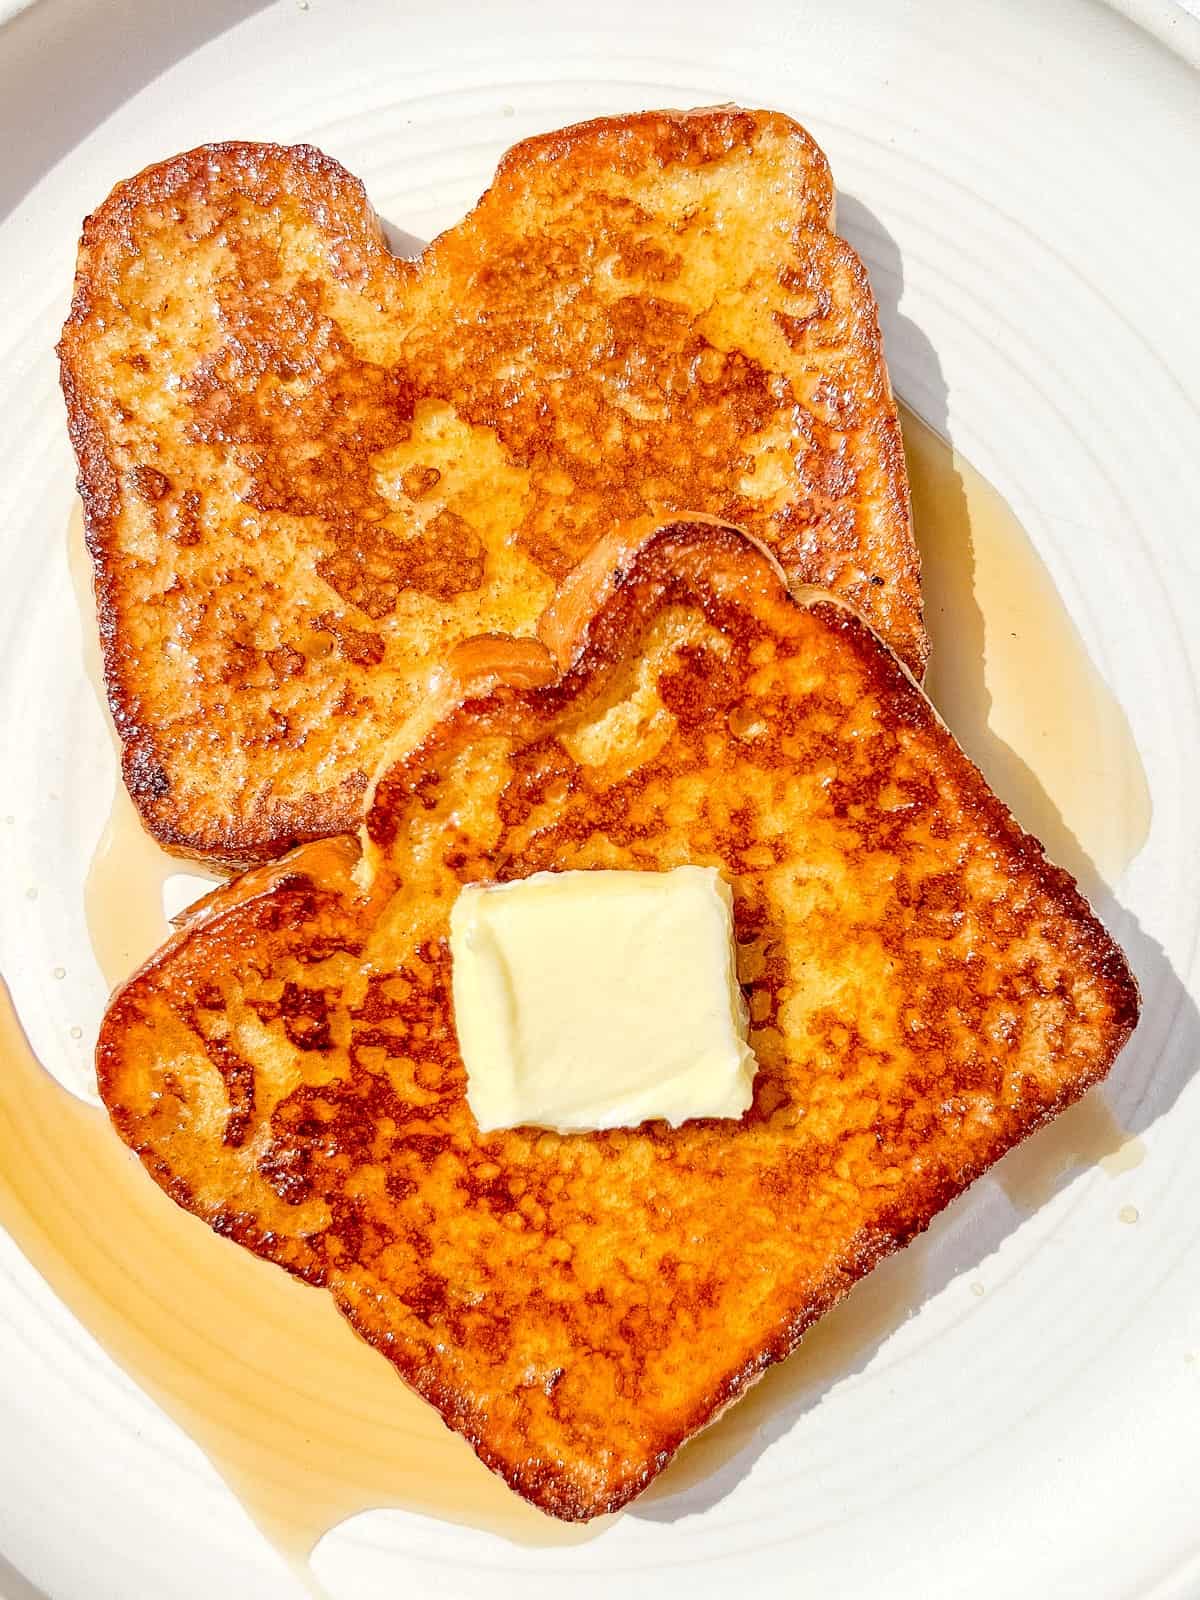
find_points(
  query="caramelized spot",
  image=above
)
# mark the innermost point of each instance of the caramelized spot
(418, 481)
(923, 991)
(149, 484)
(643, 316)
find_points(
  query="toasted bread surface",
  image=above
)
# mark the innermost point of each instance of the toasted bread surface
(924, 990)
(308, 467)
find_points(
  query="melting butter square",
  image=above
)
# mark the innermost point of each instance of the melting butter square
(588, 1000)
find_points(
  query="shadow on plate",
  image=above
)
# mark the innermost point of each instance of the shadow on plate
(15, 1585)
(102, 55)
(1101, 1129)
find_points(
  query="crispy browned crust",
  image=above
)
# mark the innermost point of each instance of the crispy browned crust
(308, 468)
(924, 989)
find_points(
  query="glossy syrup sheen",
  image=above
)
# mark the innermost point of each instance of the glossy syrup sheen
(579, 1306)
(307, 1424)
(1010, 674)
(302, 1419)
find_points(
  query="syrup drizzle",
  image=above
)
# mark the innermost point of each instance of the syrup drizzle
(1010, 674)
(304, 1422)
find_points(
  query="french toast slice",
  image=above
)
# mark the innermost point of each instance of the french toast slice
(309, 467)
(924, 990)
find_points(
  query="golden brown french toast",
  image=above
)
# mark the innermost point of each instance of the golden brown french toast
(308, 467)
(924, 990)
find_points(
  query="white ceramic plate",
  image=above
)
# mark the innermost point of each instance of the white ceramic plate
(1022, 180)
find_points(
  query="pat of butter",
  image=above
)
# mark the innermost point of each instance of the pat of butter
(600, 1000)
